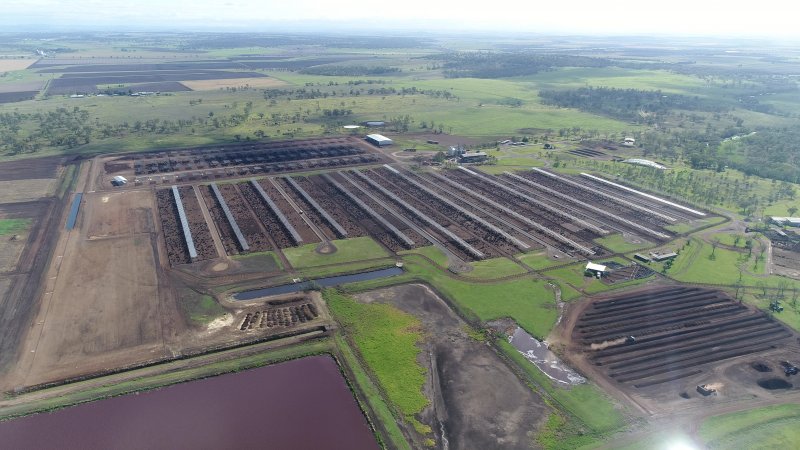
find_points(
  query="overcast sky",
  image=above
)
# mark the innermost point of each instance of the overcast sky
(774, 18)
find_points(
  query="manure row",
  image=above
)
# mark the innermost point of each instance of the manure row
(653, 337)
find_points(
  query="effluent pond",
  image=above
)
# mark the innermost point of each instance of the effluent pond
(300, 404)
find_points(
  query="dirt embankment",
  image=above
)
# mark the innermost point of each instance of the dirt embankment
(476, 400)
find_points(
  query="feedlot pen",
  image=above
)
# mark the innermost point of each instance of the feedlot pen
(468, 214)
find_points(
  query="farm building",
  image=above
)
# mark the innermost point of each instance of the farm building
(595, 270)
(375, 123)
(645, 162)
(788, 221)
(471, 157)
(629, 142)
(641, 257)
(658, 257)
(379, 140)
(119, 180)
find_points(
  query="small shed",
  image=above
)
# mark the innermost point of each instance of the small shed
(471, 157)
(119, 180)
(379, 140)
(663, 256)
(595, 270)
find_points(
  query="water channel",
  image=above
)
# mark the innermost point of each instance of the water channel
(321, 282)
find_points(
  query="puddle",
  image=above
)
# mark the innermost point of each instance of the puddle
(540, 355)
(774, 383)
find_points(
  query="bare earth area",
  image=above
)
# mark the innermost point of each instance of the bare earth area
(477, 400)
(211, 85)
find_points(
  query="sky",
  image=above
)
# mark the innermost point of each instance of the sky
(767, 18)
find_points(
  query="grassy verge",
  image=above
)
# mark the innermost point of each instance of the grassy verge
(684, 227)
(10, 227)
(431, 251)
(770, 427)
(494, 268)
(68, 180)
(387, 339)
(616, 243)
(373, 396)
(91, 390)
(347, 250)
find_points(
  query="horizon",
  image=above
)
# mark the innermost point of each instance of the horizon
(622, 18)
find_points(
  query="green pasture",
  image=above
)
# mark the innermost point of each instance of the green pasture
(775, 427)
(617, 243)
(347, 250)
(14, 226)
(494, 268)
(388, 340)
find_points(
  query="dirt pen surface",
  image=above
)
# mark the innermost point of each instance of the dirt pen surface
(657, 345)
(461, 376)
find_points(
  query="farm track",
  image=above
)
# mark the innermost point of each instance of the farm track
(309, 211)
(306, 233)
(223, 227)
(677, 332)
(248, 224)
(273, 226)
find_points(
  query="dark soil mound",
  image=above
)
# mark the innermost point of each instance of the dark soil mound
(761, 367)
(774, 383)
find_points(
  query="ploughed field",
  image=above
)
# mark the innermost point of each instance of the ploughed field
(655, 336)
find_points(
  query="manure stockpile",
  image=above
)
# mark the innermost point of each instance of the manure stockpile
(651, 337)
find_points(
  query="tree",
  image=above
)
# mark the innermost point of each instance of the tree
(792, 210)
(714, 244)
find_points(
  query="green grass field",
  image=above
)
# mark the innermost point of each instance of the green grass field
(616, 243)
(432, 252)
(372, 394)
(347, 250)
(494, 268)
(539, 260)
(10, 227)
(198, 308)
(387, 340)
(775, 427)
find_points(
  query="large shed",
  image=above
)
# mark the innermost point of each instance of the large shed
(379, 140)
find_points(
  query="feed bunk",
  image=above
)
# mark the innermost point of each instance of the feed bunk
(409, 243)
(419, 214)
(539, 227)
(646, 195)
(536, 202)
(607, 196)
(492, 228)
(587, 206)
(275, 210)
(236, 231)
(340, 231)
(187, 233)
